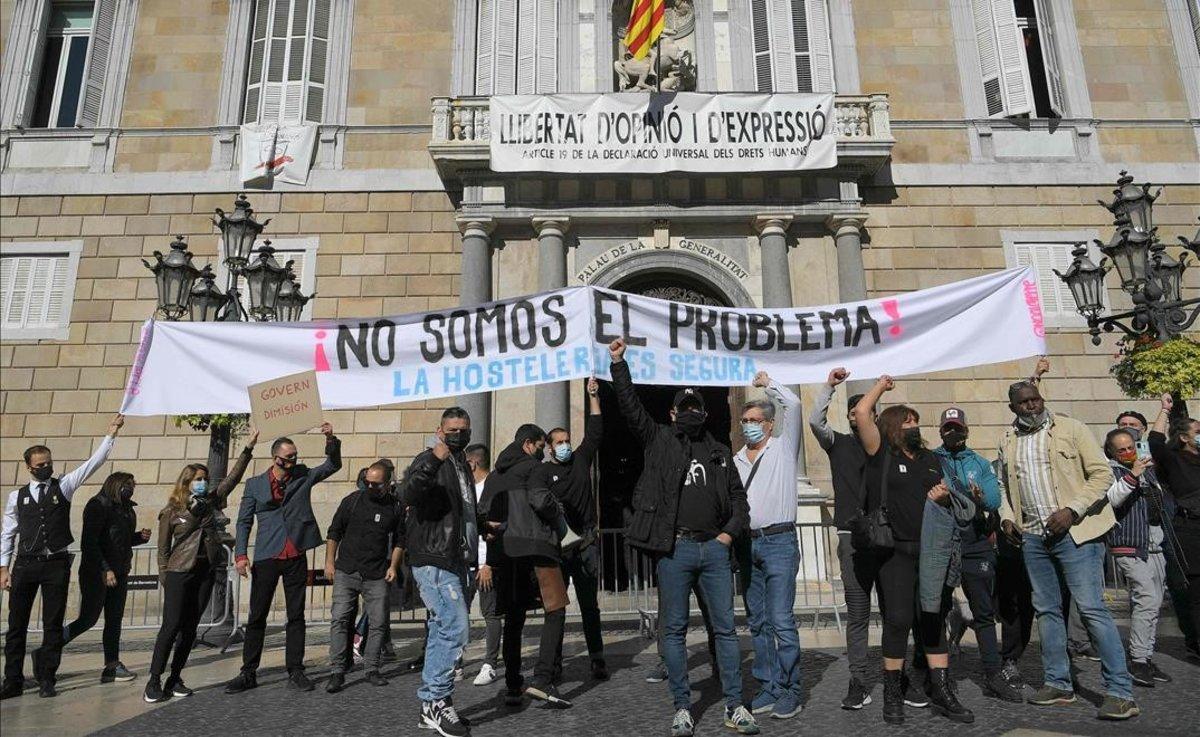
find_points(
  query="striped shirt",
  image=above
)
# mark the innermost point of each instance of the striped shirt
(1034, 482)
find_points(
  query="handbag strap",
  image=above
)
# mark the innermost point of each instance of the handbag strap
(754, 469)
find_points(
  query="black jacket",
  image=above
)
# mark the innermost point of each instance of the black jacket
(571, 482)
(656, 495)
(432, 494)
(109, 534)
(516, 495)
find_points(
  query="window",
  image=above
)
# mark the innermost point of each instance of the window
(1047, 252)
(37, 286)
(1019, 58)
(791, 46)
(289, 52)
(64, 60)
(516, 47)
(302, 252)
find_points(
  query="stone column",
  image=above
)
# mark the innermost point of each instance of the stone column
(552, 404)
(476, 288)
(777, 292)
(852, 278)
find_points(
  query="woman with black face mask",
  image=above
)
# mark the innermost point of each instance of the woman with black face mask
(901, 474)
(109, 534)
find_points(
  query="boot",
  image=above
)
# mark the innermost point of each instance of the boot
(945, 701)
(893, 697)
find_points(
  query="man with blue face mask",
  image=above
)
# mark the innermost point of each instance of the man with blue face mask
(770, 557)
(568, 475)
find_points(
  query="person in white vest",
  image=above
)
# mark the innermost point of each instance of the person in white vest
(33, 556)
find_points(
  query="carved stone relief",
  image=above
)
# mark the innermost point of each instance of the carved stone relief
(673, 57)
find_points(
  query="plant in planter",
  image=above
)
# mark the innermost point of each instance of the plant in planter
(1147, 368)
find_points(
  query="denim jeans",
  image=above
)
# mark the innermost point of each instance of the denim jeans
(1078, 568)
(706, 564)
(772, 564)
(442, 592)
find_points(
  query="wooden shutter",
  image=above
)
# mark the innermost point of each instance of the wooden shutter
(1194, 11)
(1058, 306)
(783, 50)
(103, 24)
(820, 48)
(1050, 56)
(527, 40)
(314, 98)
(256, 73)
(800, 46)
(34, 291)
(761, 27)
(485, 51)
(505, 53)
(547, 47)
(1001, 59)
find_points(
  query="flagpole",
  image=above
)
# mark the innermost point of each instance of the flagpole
(658, 63)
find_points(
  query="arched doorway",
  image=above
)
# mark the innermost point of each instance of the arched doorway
(620, 460)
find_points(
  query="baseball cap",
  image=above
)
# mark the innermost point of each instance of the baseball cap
(953, 416)
(688, 396)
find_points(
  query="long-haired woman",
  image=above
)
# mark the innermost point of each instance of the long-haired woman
(109, 534)
(188, 545)
(900, 466)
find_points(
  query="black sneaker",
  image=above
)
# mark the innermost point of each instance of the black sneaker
(1158, 673)
(337, 682)
(12, 688)
(913, 696)
(547, 692)
(375, 679)
(1002, 688)
(1085, 651)
(513, 697)
(174, 687)
(47, 690)
(856, 696)
(415, 664)
(1142, 674)
(599, 670)
(297, 681)
(1012, 674)
(441, 717)
(1193, 649)
(1117, 709)
(117, 672)
(242, 682)
(154, 693)
(657, 675)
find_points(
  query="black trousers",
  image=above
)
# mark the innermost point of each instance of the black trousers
(96, 598)
(28, 576)
(979, 584)
(1014, 601)
(264, 578)
(549, 646)
(896, 583)
(185, 599)
(581, 568)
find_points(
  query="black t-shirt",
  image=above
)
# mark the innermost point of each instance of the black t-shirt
(699, 500)
(846, 461)
(366, 529)
(909, 480)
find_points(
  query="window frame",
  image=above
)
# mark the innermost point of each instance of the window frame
(1012, 240)
(305, 82)
(68, 35)
(72, 250)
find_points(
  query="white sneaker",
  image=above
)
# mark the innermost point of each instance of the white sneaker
(487, 676)
(458, 674)
(683, 726)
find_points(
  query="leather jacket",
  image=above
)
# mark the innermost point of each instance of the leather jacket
(181, 532)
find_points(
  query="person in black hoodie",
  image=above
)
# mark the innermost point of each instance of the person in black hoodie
(688, 506)
(110, 533)
(526, 561)
(568, 475)
(441, 534)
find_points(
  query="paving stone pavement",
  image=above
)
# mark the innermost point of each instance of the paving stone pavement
(625, 705)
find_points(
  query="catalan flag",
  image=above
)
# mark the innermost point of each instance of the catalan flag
(646, 22)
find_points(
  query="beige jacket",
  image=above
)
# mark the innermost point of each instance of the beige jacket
(1078, 470)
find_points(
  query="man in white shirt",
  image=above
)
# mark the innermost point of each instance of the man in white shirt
(479, 460)
(33, 542)
(770, 559)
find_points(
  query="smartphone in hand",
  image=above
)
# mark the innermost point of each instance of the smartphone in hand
(1143, 448)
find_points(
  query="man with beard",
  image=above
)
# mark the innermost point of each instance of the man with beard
(688, 506)
(361, 559)
(1054, 501)
(525, 560)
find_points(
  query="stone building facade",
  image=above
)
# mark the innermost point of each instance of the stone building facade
(952, 163)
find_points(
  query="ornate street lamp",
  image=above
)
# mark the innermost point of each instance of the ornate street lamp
(290, 303)
(1086, 281)
(174, 275)
(207, 299)
(1151, 277)
(264, 279)
(1133, 205)
(239, 230)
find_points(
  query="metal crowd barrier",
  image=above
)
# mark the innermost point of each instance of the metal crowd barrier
(143, 602)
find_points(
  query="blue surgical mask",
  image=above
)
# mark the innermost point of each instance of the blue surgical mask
(562, 452)
(1196, 440)
(199, 487)
(753, 432)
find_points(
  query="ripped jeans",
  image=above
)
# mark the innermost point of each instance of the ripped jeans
(442, 592)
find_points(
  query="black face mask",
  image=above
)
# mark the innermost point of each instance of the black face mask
(912, 438)
(126, 493)
(375, 490)
(43, 473)
(457, 441)
(285, 467)
(955, 440)
(690, 422)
